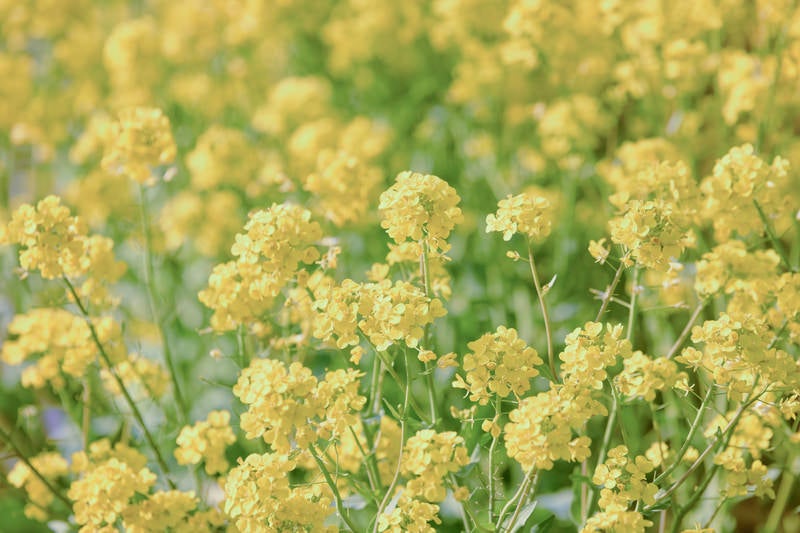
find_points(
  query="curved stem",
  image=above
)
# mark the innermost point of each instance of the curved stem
(492, 473)
(776, 243)
(609, 294)
(520, 496)
(332, 484)
(601, 456)
(403, 423)
(688, 441)
(686, 330)
(7, 438)
(545, 315)
(149, 280)
(121, 384)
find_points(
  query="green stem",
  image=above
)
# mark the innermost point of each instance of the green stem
(609, 294)
(686, 330)
(632, 306)
(519, 498)
(112, 370)
(7, 438)
(727, 432)
(688, 441)
(373, 478)
(492, 473)
(86, 421)
(776, 243)
(332, 484)
(403, 423)
(149, 280)
(429, 370)
(601, 455)
(403, 383)
(545, 315)
(781, 498)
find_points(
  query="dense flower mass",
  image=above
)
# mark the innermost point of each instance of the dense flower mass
(295, 266)
(138, 142)
(500, 364)
(420, 207)
(524, 214)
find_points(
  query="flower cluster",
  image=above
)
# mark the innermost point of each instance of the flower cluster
(420, 207)
(643, 376)
(138, 142)
(259, 497)
(52, 466)
(501, 364)
(106, 489)
(384, 312)
(289, 405)
(206, 441)
(740, 185)
(57, 244)
(62, 344)
(275, 242)
(428, 458)
(738, 354)
(655, 232)
(525, 214)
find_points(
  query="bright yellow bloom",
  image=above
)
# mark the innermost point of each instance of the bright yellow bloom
(525, 214)
(501, 364)
(420, 207)
(51, 465)
(206, 441)
(428, 458)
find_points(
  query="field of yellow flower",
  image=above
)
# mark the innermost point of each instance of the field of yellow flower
(400, 266)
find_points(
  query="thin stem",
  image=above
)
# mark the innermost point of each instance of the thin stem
(781, 499)
(686, 330)
(241, 344)
(715, 513)
(7, 438)
(86, 421)
(492, 473)
(403, 423)
(149, 280)
(697, 493)
(429, 370)
(545, 315)
(688, 441)
(375, 385)
(402, 383)
(332, 484)
(610, 291)
(601, 456)
(372, 479)
(632, 306)
(711, 445)
(520, 496)
(776, 243)
(112, 370)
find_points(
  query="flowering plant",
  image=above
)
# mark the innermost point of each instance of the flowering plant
(227, 306)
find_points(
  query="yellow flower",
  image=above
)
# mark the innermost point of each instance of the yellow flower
(51, 465)
(206, 441)
(420, 207)
(525, 214)
(428, 458)
(259, 497)
(139, 141)
(501, 364)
